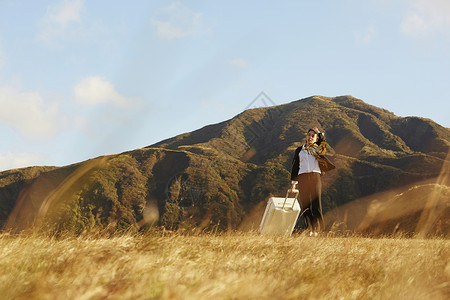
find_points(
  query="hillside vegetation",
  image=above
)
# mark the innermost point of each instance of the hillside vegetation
(219, 177)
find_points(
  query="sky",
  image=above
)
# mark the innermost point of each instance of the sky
(85, 78)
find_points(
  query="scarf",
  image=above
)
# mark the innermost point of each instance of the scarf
(315, 149)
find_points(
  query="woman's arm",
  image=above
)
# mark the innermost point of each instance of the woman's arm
(295, 164)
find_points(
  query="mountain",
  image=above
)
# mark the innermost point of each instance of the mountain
(219, 177)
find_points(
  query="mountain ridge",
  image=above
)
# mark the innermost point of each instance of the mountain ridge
(213, 177)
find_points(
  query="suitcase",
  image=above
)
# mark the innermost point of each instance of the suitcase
(281, 215)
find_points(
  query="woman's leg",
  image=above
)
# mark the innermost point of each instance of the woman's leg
(304, 187)
(316, 203)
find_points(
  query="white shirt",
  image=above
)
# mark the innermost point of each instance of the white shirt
(308, 163)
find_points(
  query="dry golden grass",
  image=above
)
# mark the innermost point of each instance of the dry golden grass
(230, 266)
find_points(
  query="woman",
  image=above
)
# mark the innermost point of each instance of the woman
(306, 171)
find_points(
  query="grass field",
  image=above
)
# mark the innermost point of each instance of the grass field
(229, 266)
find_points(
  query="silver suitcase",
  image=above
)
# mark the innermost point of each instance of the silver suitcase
(281, 215)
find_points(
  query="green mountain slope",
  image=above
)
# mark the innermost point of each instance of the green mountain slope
(214, 178)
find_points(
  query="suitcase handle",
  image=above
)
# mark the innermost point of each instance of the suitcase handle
(287, 194)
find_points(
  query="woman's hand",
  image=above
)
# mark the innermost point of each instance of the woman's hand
(293, 185)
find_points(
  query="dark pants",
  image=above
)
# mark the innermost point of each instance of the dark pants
(310, 188)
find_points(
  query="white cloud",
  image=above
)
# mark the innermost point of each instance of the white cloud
(58, 18)
(239, 62)
(95, 90)
(27, 112)
(19, 160)
(177, 21)
(426, 17)
(367, 36)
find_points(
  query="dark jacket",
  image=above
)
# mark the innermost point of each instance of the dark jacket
(295, 164)
(325, 164)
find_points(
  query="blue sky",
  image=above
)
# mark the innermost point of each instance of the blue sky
(80, 79)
